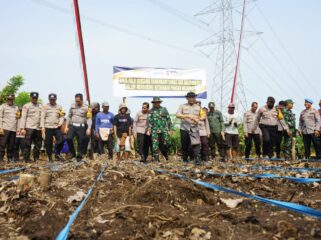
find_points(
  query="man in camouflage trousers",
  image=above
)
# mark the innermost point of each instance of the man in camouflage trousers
(289, 118)
(159, 126)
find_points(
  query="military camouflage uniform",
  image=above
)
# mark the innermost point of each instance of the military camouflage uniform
(159, 123)
(289, 118)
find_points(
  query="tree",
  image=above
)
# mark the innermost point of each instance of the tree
(22, 99)
(12, 87)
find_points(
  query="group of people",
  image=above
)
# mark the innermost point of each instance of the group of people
(203, 131)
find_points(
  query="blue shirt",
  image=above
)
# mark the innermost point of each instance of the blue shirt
(104, 120)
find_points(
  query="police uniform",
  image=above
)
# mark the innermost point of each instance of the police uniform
(204, 130)
(282, 128)
(216, 123)
(190, 137)
(248, 124)
(144, 142)
(159, 124)
(9, 115)
(30, 122)
(267, 121)
(52, 118)
(309, 124)
(78, 120)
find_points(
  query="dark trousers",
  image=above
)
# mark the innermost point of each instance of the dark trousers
(269, 137)
(7, 141)
(18, 146)
(256, 138)
(94, 142)
(109, 143)
(80, 134)
(32, 136)
(280, 135)
(144, 144)
(307, 139)
(186, 145)
(216, 139)
(204, 148)
(50, 134)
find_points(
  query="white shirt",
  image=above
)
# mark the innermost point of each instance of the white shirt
(233, 118)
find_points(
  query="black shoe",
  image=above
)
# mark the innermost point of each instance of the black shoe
(27, 160)
(79, 158)
(156, 157)
(198, 162)
(49, 158)
(58, 157)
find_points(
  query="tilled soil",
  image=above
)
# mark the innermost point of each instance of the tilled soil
(134, 201)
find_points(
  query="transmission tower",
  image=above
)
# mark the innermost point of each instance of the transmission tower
(223, 41)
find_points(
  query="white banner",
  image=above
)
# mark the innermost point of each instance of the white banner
(162, 82)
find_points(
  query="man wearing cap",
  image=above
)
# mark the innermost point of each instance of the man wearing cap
(289, 139)
(232, 122)
(160, 127)
(104, 129)
(248, 122)
(309, 128)
(52, 118)
(189, 114)
(267, 120)
(122, 130)
(217, 127)
(30, 127)
(94, 141)
(9, 115)
(79, 122)
(282, 129)
(144, 142)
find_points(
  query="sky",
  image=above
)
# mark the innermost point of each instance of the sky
(38, 41)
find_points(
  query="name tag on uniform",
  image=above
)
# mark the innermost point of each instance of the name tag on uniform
(123, 120)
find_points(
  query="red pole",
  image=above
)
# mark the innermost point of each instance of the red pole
(238, 54)
(82, 51)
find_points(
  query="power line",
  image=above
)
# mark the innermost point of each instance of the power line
(280, 63)
(114, 27)
(285, 49)
(183, 16)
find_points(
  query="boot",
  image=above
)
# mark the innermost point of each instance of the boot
(198, 161)
(142, 158)
(58, 157)
(49, 158)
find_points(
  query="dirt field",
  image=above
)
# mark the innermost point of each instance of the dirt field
(133, 201)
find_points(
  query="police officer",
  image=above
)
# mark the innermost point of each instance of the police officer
(9, 115)
(205, 133)
(144, 142)
(309, 128)
(217, 127)
(189, 113)
(248, 123)
(79, 122)
(268, 121)
(52, 118)
(289, 139)
(160, 127)
(282, 128)
(30, 127)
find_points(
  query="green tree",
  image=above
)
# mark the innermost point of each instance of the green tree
(11, 87)
(22, 99)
